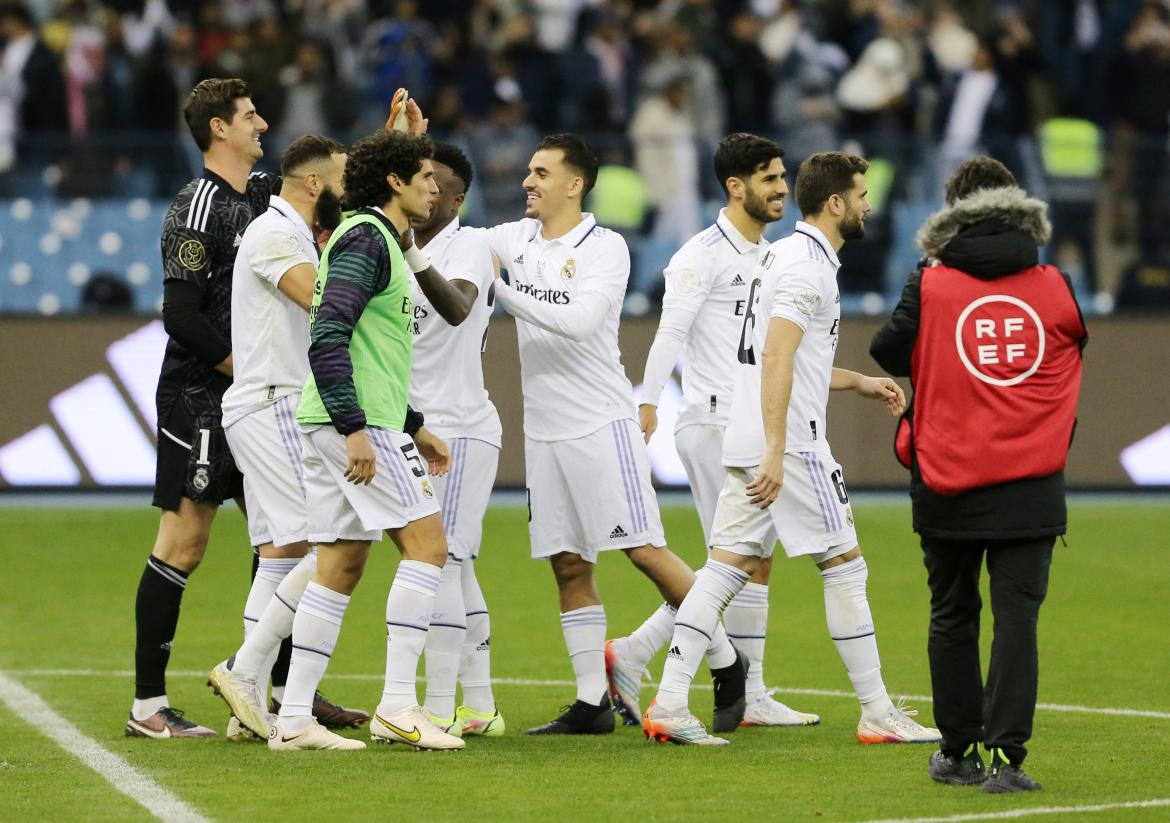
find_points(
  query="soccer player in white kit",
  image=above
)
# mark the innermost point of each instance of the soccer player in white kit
(782, 481)
(275, 269)
(707, 283)
(588, 475)
(446, 385)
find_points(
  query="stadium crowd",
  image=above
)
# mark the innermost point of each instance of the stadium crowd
(1073, 97)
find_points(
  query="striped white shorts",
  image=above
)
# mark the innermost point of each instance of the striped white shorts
(400, 493)
(810, 516)
(266, 446)
(591, 494)
(465, 491)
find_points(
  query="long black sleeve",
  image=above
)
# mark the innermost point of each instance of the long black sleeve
(893, 344)
(188, 326)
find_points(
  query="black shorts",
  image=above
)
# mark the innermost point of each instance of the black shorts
(200, 468)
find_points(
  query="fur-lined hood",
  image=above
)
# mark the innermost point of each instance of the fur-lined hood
(1010, 205)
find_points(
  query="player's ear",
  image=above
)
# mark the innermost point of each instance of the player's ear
(734, 188)
(576, 184)
(395, 183)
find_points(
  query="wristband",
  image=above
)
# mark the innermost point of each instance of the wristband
(416, 259)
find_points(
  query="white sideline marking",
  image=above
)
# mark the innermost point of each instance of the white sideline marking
(28, 706)
(1103, 807)
(514, 681)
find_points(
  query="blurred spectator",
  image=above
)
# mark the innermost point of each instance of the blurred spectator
(502, 147)
(1147, 111)
(106, 293)
(807, 113)
(311, 98)
(32, 92)
(663, 133)
(747, 76)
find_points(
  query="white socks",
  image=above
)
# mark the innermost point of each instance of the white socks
(261, 643)
(851, 627)
(269, 574)
(445, 640)
(408, 615)
(746, 621)
(475, 670)
(144, 708)
(645, 641)
(695, 627)
(315, 629)
(584, 631)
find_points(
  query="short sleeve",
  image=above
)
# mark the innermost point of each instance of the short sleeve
(275, 253)
(470, 259)
(187, 253)
(688, 276)
(800, 293)
(608, 272)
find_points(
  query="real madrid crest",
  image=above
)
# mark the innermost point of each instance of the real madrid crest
(200, 481)
(428, 492)
(569, 270)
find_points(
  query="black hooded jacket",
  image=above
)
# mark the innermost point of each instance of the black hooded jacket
(990, 234)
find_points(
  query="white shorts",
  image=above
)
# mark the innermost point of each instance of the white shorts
(700, 447)
(810, 516)
(464, 493)
(591, 494)
(400, 493)
(267, 449)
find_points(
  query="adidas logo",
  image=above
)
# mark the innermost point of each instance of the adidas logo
(519, 259)
(617, 532)
(485, 646)
(738, 281)
(239, 239)
(108, 418)
(674, 653)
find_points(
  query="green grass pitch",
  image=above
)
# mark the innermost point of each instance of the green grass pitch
(67, 583)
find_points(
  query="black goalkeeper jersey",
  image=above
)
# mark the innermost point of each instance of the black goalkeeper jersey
(201, 233)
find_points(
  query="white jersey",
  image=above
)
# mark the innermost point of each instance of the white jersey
(571, 387)
(796, 280)
(710, 277)
(446, 378)
(270, 332)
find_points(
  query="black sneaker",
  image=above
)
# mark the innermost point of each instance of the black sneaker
(730, 695)
(957, 771)
(1003, 777)
(580, 718)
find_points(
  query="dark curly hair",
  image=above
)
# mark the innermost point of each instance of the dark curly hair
(372, 159)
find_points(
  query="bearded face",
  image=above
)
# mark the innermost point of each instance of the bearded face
(852, 223)
(328, 208)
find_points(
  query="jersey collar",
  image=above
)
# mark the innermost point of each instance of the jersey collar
(446, 234)
(224, 185)
(575, 236)
(819, 236)
(740, 243)
(285, 208)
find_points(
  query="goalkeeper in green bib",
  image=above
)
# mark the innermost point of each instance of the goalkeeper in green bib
(366, 455)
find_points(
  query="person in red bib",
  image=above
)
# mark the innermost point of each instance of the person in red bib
(991, 341)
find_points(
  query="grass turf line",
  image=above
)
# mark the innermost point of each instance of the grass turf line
(68, 591)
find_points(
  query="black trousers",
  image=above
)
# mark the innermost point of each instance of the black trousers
(999, 713)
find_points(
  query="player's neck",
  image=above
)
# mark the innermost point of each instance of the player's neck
(396, 216)
(751, 228)
(424, 236)
(829, 228)
(561, 224)
(228, 166)
(302, 205)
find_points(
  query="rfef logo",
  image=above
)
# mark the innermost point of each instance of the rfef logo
(1000, 339)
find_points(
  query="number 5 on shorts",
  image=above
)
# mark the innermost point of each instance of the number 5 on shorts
(416, 465)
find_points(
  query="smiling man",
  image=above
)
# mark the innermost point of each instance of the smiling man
(782, 481)
(707, 290)
(586, 466)
(195, 472)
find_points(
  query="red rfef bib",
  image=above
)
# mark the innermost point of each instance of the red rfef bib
(996, 372)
